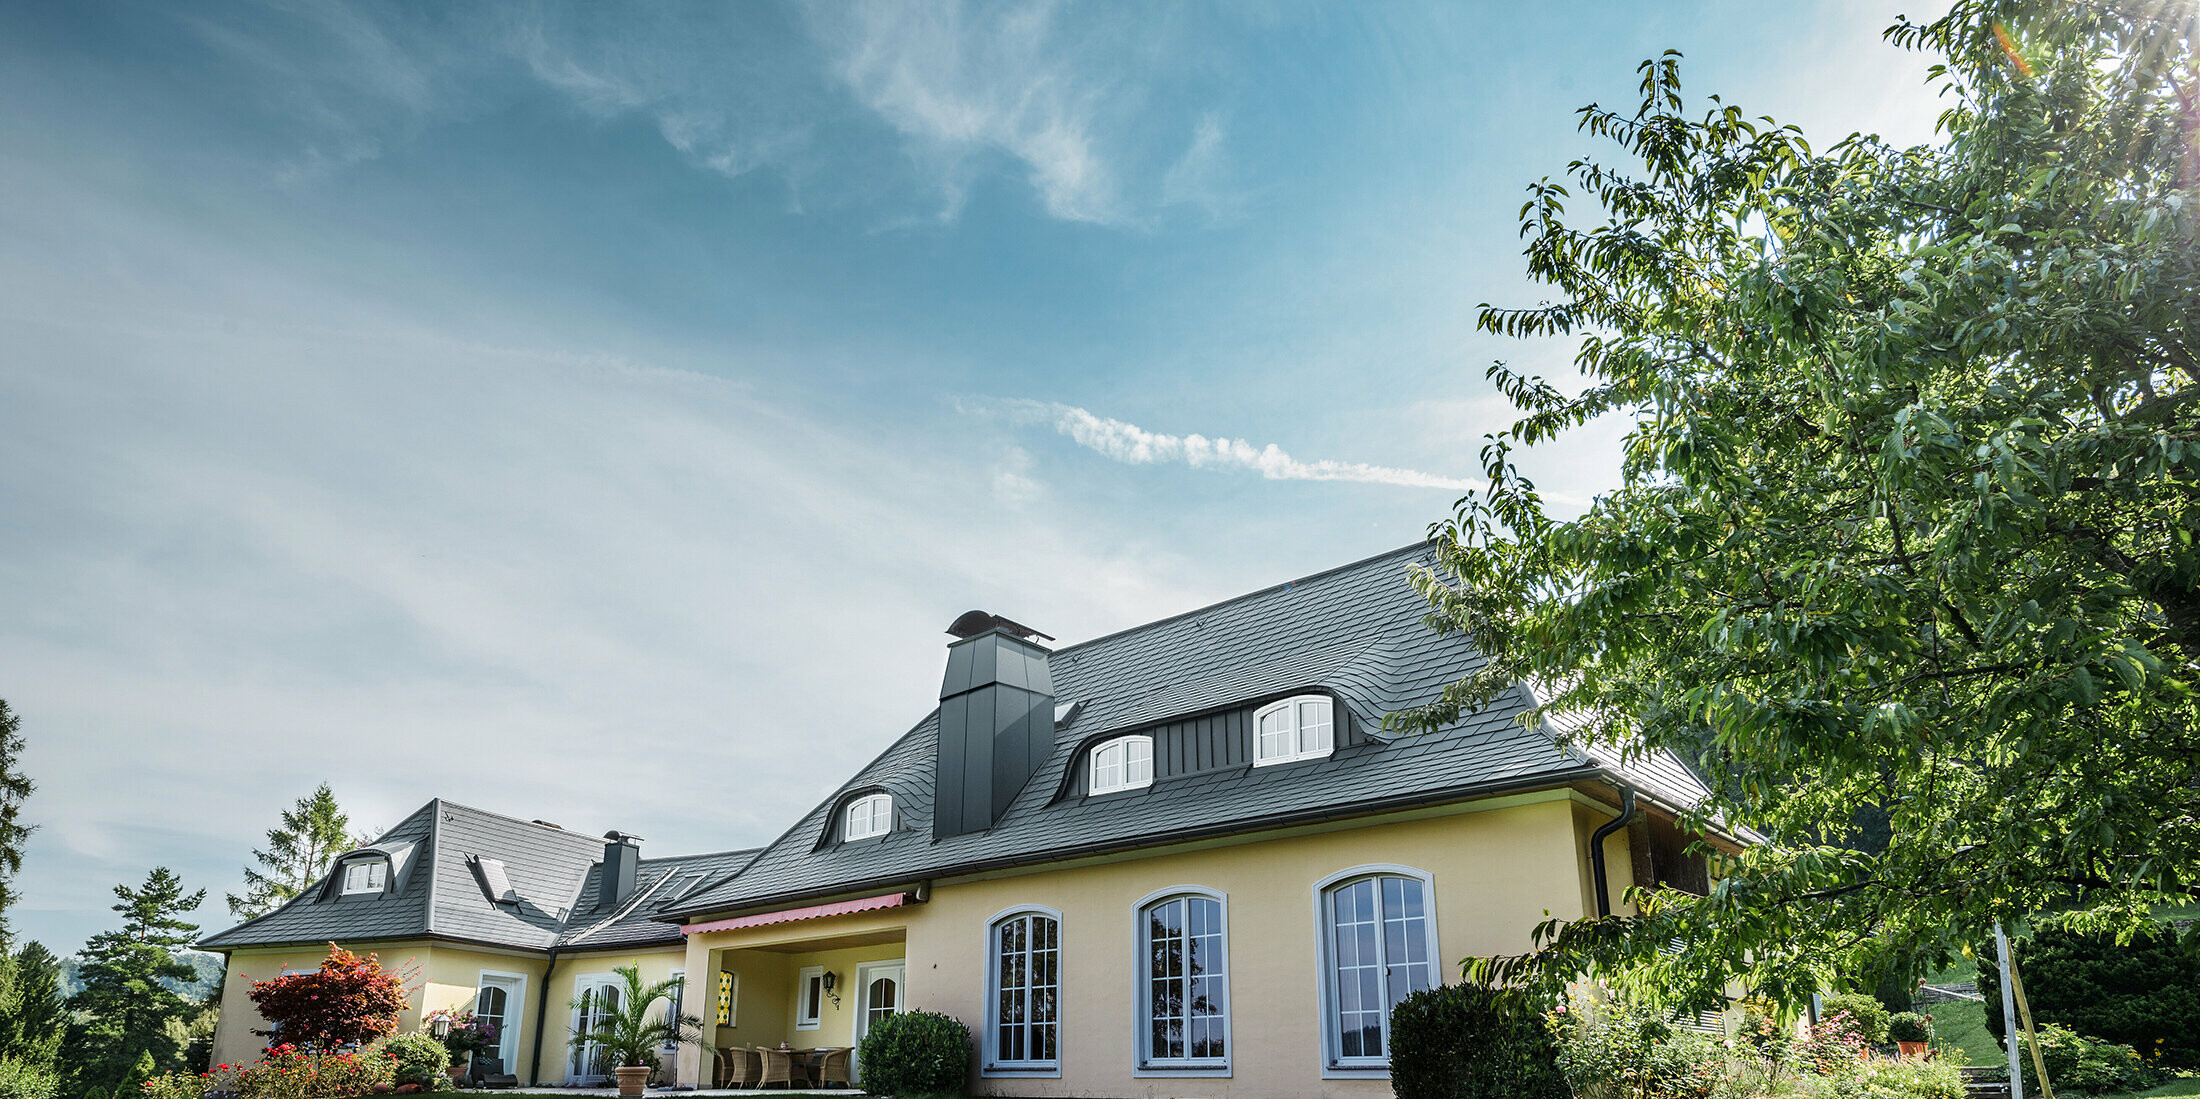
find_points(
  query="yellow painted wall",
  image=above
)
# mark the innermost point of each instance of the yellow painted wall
(557, 1053)
(427, 969)
(1619, 866)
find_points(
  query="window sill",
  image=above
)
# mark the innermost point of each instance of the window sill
(1166, 1071)
(1355, 1072)
(1293, 759)
(1032, 1072)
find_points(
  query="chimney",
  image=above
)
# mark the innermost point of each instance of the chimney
(622, 855)
(996, 722)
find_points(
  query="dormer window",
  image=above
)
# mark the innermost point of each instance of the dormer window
(1295, 728)
(1125, 763)
(869, 815)
(366, 876)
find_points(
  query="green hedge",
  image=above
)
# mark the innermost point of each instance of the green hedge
(1472, 1042)
(2139, 994)
(915, 1053)
(24, 1080)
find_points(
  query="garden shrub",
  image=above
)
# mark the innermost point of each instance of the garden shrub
(287, 1072)
(2139, 994)
(1608, 1049)
(1909, 1026)
(1471, 1041)
(915, 1053)
(1911, 1079)
(1866, 1012)
(174, 1085)
(2076, 1063)
(348, 1001)
(20, 1079)
(418, 1058)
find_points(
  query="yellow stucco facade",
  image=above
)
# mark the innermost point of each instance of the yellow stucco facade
(1497, 868)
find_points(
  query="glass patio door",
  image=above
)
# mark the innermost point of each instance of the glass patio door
(598, 1001)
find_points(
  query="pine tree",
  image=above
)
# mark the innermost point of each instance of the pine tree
(15, 788)
(32, 1016)
(129, 1018)
(313, 833)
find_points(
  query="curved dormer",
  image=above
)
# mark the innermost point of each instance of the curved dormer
(376, 870)
(865, 813)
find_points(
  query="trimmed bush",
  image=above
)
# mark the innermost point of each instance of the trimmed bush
(2139, 994)
(1613, 1050)
(915, 1053)
(1472, 1042)
(1867, 1015)
(1909, 1026)
(24, 1080)
(420, 1058)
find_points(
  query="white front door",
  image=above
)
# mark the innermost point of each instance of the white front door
(878, 994)
(499, 1002)
(597, 999)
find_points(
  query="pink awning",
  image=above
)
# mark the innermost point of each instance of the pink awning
(789, 915)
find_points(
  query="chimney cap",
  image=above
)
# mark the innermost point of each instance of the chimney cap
(973, 623)
(617, 836)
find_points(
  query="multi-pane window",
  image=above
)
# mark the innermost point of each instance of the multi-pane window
(672, 1010)
(1295, 728)
(1186, 983)
(366, 877)
(1025, 1028)
(869, 815)
(1378, 952)
(1124, 763)
(809, 992)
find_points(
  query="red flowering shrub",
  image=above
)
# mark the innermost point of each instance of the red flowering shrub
(350, 1000)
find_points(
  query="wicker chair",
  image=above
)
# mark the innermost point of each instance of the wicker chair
(835, 1066)
(738, 1067)
(779, 1068)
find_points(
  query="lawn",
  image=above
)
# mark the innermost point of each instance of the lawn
(2190, 1085)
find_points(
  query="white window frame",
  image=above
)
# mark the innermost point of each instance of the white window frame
(875, 823)
(1299, 748)
(1127, 780)
(515, 1008)
(1333, 1064)
(583, 983)
(672, 1011)
(815, 1007)
(989, 1064)
(1145, 1065)
(375, 883)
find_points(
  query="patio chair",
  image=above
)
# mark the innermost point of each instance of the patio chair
(738, 1067)
(778, 1067)
(835, 1066)
(488, 1072)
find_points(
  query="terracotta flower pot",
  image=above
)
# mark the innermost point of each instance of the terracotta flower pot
(632, 1078)
(1911, 1050)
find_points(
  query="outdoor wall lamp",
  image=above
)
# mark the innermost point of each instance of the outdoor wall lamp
(832, 979)
(441, 1027)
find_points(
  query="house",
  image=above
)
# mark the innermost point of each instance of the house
(1182, 859)
(511, 919)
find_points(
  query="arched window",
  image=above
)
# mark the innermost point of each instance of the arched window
(867, 816)
(1023, 1031)
(1124, 763)
(1295, 728)
(1378, 947)
(1184, 982)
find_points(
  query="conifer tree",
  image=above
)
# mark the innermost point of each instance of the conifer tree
(313, 833)
(32, 1016)
(128, 1016)
(15, 788)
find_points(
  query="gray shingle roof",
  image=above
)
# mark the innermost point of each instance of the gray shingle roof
(660, 884)
(1354, 630)
(437, 893)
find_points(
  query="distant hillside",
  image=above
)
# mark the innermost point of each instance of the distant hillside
(206, 981)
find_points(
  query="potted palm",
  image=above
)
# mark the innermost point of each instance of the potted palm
(628, 1037)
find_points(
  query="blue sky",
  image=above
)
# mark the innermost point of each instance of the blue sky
(596, 412)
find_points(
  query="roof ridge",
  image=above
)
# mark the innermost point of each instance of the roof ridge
(1219, 604)
(701, 855)
(557, 828)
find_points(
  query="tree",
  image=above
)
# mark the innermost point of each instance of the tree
(628, 1035)
(129, 1018)
(1907, 507)
(33, 1018)
(348, 1000)
(313, 832)
(15, 789)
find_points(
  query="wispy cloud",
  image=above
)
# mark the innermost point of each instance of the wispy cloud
(1132, 444)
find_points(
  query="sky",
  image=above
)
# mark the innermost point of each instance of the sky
(596, 413)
